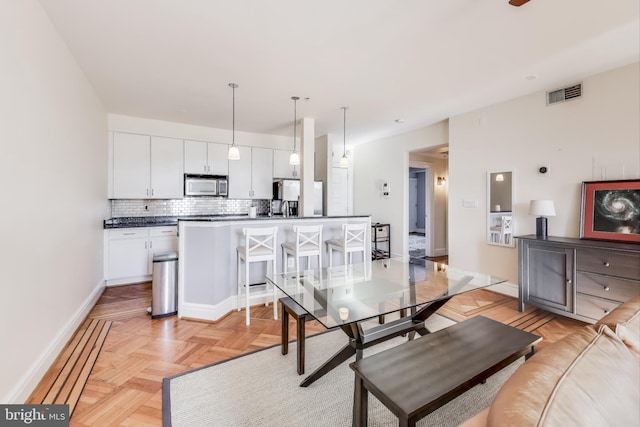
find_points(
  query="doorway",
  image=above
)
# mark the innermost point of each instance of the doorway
(428, 202)
(420, 242)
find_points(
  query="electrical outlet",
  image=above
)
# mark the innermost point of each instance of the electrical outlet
(290, 262)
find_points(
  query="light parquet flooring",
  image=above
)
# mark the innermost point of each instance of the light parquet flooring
(125, 385)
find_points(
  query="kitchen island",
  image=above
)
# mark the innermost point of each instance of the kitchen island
(207, 277)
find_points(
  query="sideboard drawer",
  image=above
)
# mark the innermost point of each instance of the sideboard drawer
(607, 287)
(608, 262)
(594, 308)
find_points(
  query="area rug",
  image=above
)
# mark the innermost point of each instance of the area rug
(417, 246)
(262, 389)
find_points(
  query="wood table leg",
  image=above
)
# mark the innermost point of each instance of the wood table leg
(301, 339)
(360, 403)
(343, 354)
(284, 339)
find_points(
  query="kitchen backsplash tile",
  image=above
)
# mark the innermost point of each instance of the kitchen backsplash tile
(186, 206)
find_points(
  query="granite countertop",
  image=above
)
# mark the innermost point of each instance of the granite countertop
(160, 221)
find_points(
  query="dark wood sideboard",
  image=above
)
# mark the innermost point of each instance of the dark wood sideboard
(581, 279)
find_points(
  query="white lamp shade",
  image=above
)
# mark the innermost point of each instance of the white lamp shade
(234, 153)
(542, 208)
(344, 162)
(294, 159)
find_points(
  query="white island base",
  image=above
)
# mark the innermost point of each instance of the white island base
(207, 287)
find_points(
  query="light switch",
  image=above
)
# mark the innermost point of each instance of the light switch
(469, 203)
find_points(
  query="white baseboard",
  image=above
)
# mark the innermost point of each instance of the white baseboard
(505, 288)
(29, 381)
(440, 252)
(216, 312)
(128, 280)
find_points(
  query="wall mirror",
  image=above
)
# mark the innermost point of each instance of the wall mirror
(500, 222)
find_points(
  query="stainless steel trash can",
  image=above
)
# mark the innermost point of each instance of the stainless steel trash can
(164, 285)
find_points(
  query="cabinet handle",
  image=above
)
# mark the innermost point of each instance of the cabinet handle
(147, 191)
(150, 245)
(569, 281)
(606, 311)
(128, 234)
(606, 264)
(145, 245)
(152, 191)
(606, 288)
(167, 231)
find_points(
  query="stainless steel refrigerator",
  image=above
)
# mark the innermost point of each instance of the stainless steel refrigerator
(289, 190)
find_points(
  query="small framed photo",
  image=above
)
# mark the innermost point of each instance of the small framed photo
(611, 210)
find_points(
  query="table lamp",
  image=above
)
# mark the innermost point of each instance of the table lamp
(542, 209)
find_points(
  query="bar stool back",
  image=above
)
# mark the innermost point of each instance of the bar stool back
(308, 244)
(353, 240)
(259, 246)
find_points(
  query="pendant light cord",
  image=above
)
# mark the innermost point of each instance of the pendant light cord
(233, 113)
(295, 116)
(344, 132)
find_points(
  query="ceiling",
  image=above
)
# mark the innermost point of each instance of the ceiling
(420, 61)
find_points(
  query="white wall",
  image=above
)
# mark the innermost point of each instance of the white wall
(591, 138)
(388, 160)
(54, 196)
(122, 123)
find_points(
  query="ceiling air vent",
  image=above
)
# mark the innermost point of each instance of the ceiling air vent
(565, 94)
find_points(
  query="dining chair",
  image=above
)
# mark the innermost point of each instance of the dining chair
(308, 244)
(259, 246)
(502, 233)
(352, 240)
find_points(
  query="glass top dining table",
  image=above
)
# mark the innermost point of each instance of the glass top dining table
(346, 296)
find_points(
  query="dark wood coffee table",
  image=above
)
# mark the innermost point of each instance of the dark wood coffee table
(419, 376)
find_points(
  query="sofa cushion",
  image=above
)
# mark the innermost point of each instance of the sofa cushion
(625, 320)
(588, 378)
(625, 313)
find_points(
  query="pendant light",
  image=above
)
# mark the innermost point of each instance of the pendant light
(294, 159)
(344, 161)
(234, 153)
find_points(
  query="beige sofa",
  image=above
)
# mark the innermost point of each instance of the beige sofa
(589, 378)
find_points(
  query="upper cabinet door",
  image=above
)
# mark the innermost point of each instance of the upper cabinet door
(240, 175)
(281, 166)
(195, 157)
(217, 159)
(131, 167)
(166, 168)
(262, 173)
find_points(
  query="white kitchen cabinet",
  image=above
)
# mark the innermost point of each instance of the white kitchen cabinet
(131, 250)
(240, 175)
(161, 239)
(131, 166)
(281, 166)
(251, 177)
(128, 253)
(166, 168)
(262, 173)
(217, 158)
(205, 158)
(146, 167)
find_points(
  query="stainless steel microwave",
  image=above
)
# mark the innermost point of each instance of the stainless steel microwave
(205, 185)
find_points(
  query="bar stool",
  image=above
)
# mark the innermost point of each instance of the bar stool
(308, 244)
(353, 240)
(259, 246)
